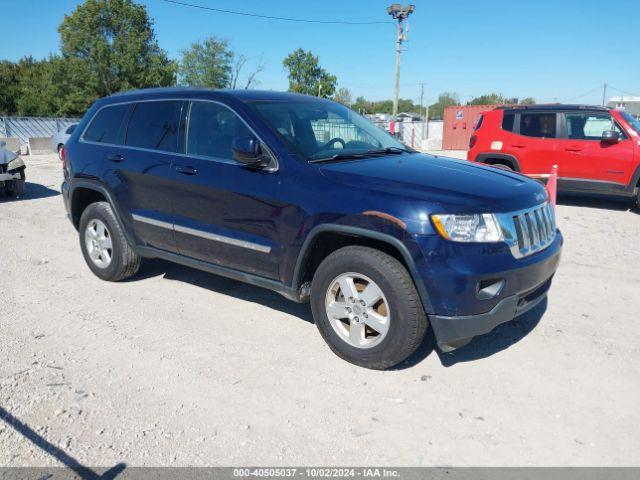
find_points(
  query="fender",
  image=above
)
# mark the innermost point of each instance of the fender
(482, 157)
(635, 178)
(363, 232)
(15, 164)
(98, 187)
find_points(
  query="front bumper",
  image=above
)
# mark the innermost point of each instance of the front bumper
(10, 176)
(455, 332)
(455, 278)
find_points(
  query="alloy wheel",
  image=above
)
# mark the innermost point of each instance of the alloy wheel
(357, 310)
(97, 239)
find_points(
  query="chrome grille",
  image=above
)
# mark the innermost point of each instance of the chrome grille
(529, 231)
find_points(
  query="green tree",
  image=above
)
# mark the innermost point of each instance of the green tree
(488, 99)
(362, 105)
(527, 101)
(307, 76)
(445, 99)
(111, 47)
(9, 87)
(53, 86)
(207, 63)
(343, 96)
(36, 87)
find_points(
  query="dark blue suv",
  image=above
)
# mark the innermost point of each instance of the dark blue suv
(305, 197)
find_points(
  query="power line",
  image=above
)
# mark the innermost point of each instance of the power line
(270, 17)
(583, 95)
(623, 92)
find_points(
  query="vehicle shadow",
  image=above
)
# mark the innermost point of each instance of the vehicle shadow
(483, 346)
(33, 191)
(226, 286)
(599, 202)
(67, 460)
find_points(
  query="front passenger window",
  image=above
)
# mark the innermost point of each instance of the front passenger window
(590, 126)
(211, 130)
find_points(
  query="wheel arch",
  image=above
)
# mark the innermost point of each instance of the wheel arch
(325, 239)
(487, 158)
(84, 193)
(635, 180)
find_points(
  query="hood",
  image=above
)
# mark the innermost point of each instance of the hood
(6, 156)
(458, 186)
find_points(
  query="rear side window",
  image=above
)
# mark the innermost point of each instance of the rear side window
(155, 126)
(105, 126)
(212, 128)
(542, 125)
(508, 121)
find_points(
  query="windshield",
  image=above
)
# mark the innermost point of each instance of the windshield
(635, 124)
(319, 130)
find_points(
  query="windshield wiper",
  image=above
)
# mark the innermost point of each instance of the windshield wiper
(338, 156)
(388, 151)
(360, 155)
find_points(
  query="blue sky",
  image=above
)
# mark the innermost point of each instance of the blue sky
(551, 50)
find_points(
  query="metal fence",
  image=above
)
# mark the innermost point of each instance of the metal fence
(31, 127)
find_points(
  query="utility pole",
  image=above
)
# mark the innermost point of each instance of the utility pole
(604, 95)
(424, 120)
(399, 13)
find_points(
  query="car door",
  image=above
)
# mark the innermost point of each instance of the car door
(225, 213)
(534, 142)
(154, 135)
(586, 156)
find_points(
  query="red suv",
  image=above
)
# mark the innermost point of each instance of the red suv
(597, 149)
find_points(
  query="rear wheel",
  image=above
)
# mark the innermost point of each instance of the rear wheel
(104, 246)
(503, 166)
(366, 307)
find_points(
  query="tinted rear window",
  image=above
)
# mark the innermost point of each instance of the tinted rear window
(507, 121)
(542, 125)
(212, 129)
(105, 126)
(70, 129)
(479, 123)
(155, 125)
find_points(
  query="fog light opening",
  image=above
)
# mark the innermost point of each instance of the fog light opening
(488, 289)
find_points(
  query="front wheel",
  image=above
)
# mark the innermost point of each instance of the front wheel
(366, 307)
(17, 187)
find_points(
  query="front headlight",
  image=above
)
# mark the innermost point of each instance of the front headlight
(481, 227)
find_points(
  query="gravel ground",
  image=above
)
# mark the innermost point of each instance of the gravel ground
(179, 367)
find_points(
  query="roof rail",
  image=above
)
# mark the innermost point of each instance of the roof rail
(553, 106)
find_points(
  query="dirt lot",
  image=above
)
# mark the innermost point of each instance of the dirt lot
(179, 367)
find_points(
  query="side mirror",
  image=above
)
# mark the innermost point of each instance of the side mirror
(610, 136)
(247, 150)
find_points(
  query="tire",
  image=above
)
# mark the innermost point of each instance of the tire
(122, 262)
(503, 166)
(406, 322)
(18, 187)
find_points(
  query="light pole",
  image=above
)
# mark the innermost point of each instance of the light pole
(399, 13)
